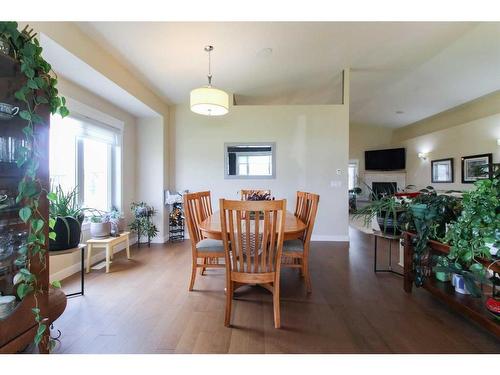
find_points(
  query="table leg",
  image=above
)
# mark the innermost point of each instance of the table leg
(111, 255)
(128, 248)
(375, 258)
(89, 254)
(83, 271)
(108, 256)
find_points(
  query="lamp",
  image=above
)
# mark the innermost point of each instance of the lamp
(208, 100)
(422, 155)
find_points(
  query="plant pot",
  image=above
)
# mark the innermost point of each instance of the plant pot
(68, 231)
(118, 225)
(459, 283)
(443, 276)
(387, 224)
(100, 230)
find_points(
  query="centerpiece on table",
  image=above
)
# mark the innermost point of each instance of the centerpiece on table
(259, 196)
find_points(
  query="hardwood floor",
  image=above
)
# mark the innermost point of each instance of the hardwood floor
(143, 306)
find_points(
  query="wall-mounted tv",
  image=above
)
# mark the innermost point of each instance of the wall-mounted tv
(385, 160)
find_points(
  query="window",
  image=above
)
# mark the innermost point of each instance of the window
(86, 153)
(250, 160)
(352, 174)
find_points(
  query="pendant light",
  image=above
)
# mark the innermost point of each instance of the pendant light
(208, 100)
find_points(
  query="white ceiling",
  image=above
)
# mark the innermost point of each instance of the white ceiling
(415, 67)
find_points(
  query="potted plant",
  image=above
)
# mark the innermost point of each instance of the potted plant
(469, 234)
(443, 263)
(142, 223)
(387, 209)
(117, 221)
(100, 225)
(68, 216)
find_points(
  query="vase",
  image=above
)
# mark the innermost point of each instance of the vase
(459, 283)
(68, 231)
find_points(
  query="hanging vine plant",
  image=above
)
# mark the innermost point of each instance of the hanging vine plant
(39, 89)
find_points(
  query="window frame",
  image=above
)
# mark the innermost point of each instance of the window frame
(250, 177)
(84, 113)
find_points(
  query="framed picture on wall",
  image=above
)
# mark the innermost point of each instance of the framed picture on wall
(442, 170)
(476, 167)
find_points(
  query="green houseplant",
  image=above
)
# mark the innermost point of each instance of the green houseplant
(477, 225)
(68, 215)
(387, 209)
(142, 223)
(100, 225)
(38, 90)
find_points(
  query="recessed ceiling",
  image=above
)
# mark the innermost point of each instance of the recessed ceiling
(418, 68)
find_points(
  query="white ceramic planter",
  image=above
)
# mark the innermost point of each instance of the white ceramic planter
(100, 230)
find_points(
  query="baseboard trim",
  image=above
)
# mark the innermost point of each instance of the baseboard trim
(76, 267)
(328, 238)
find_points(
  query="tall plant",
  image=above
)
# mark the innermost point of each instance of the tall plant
(39, 89)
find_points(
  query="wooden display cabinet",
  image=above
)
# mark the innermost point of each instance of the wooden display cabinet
(17, 326)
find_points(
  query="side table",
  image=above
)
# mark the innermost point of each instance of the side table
(107, 243)
(80, 247)
(390, 238)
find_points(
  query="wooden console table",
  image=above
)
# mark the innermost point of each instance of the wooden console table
(107, 243)
(467, 305)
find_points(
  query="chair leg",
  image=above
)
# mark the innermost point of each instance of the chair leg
(276, 305)
(229, 303)
(193, 274)
(202, 269)
(307, 277)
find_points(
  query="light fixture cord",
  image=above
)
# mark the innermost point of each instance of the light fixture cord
(209, 70)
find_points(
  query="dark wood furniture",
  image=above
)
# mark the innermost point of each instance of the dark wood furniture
(17, 330)
(469, 306)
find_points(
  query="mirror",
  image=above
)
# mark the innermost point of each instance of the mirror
(250, 160)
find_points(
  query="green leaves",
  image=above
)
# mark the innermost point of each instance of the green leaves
(56, 284)
(25, 214)
(37, 225)
(39, 333)
(24, 289)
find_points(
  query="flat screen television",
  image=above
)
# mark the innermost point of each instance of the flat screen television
(385, 160)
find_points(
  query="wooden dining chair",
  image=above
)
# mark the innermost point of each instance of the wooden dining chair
(245, 193)
(296, 252)
(197, 207)
(255, 231)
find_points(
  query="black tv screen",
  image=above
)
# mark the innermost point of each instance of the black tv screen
(385, 160)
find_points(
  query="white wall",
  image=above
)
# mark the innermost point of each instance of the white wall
(311, 143)
(150, 170)
(471, 138)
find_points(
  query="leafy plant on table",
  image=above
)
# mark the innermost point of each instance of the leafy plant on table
(478, 224)
(38, 90)
(387, 206)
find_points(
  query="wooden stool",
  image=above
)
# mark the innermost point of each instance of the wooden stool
(107, 243)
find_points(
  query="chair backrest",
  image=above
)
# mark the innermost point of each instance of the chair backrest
(245, 193)
(306, 208)
(254, 230)
(197, 207)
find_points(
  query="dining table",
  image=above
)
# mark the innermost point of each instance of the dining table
(211, 226)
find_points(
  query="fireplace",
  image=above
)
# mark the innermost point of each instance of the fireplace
(384, 188)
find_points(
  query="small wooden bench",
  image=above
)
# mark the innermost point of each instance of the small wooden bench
(107, 243)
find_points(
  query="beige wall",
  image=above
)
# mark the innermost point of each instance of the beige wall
(61, 266)
(363, 138)
(470, 138)
(311, 144)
